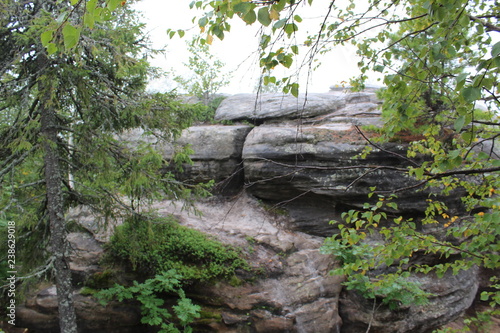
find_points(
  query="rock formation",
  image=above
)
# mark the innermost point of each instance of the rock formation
(290, 175)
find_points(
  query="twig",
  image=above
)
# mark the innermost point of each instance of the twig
(372, 316)
(384, 150)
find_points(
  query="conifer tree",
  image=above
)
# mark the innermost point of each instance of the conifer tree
(73, 76)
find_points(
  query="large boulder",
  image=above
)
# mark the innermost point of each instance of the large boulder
(216, 153)
(40, 314)
(319, 159)
(297, 176)
(289, 289)
(452, 295)
(293, 292)
(313, 169)
(279, 107)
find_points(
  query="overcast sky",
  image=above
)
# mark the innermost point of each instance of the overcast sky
(238, 46)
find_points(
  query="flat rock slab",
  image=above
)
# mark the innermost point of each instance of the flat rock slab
(286, 107)
(272, 106)
(216, 153)
(283, 160)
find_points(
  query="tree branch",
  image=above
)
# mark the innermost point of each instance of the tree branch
(489, 26)
(385, 150)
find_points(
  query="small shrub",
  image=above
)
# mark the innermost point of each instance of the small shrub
(161, 244)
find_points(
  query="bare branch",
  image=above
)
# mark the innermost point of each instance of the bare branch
(385, 150)
(316, 167)
(490, 123)
(489, 26)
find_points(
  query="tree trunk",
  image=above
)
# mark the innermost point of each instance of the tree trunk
(55, 207)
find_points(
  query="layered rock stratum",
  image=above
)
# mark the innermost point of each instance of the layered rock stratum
(284, 171)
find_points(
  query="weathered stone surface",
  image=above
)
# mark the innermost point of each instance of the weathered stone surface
(85, 256)
(313, 169)
(292, 291)
(274, 106)
(40, 314)
(210, 142)
(453, 294)
(294, 273)
(309, 171)
(216, 153)
(310, 107)
(283, 161)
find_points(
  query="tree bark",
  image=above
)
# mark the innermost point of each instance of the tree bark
(55, 207)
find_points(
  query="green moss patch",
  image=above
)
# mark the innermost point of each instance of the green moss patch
(157, 245)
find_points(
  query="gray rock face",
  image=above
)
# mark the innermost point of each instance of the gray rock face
(40, 313)
(266, 107)
(87, 252)
(453, 294)
(319, 159)
(216, 153)
(314, 166)
(293, 291)
(306, 169)
(274, 106)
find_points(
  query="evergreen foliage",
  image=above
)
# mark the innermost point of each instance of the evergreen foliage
(72, 77)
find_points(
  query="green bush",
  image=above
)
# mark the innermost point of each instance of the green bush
(158, 245)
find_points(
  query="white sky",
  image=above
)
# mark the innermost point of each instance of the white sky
(238, 45)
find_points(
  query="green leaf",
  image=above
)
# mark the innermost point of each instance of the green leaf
(295, 89)
(113, 4)
(290, 29)
(60, 19)
(105, 14)
(181, 33)
(459, 123)
(297, 18)
(461, 80)
(51, 48)
(264, 41)
(295, 49)
(280, 5)
(71, 36)
(243, 8)
(89, 20)
(90, 6)
(46, 37)
(263, 16)
(467, 136)
(495, 50)
(485, 296)
(279, 24)
(250, 17)
(203, 21)
(471, 94)
(496, 61)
